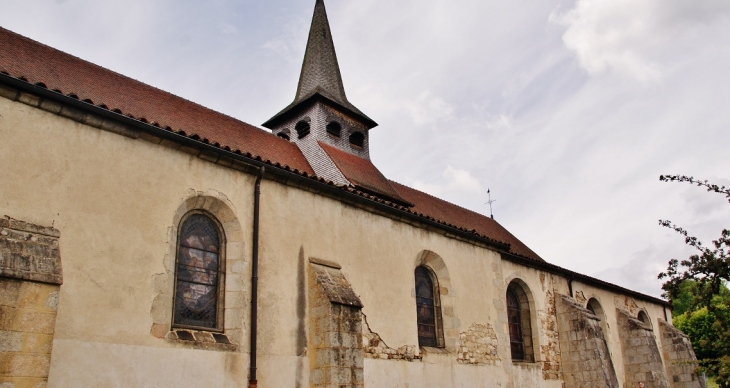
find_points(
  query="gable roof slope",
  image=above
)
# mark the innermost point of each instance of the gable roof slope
(362, 173)
(456, 215)
(36, 63)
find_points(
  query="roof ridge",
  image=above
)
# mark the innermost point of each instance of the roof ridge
(478, 218)
(442, 200)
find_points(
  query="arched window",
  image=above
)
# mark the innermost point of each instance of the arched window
(644, 317)
(334, 128)
(595, 307)
(302, 129)
(520, 326)
(357, 139)
(283, 135)
(428, 309)
(198, 273)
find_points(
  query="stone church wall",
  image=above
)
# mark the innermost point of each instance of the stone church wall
(116, 199)
(116, 218)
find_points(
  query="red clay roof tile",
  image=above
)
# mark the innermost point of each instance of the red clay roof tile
(361, 172)
(456, 215)
(27, 59)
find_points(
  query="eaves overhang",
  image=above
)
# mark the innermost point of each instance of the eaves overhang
(299, 106)
(575, 276)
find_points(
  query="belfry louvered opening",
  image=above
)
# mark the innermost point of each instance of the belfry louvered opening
(302, 129)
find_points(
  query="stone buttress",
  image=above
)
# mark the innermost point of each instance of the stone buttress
(335, 327)
(30, 278)
(584, 352)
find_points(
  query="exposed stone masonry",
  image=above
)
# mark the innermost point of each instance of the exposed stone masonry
(584, 352)
(335, 327)
(642, 361)
(679, 357)
(550, 348)
(375, 347)
(29, 252)
(478, 346)
(30, 275)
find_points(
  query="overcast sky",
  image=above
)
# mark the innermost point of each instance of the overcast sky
(568, 110)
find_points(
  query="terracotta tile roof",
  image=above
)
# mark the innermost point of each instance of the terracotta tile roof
(362, 173)
(36, 63)
(456, 215)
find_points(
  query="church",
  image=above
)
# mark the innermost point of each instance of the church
(147, 241)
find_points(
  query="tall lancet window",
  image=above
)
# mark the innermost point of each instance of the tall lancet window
(198, 274)
(514, 319)
(428, 309)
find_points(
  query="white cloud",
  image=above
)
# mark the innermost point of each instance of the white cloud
(635, 38)
(454, 183)
(428, 109)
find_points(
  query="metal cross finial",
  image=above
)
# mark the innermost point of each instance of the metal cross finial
(490, 203)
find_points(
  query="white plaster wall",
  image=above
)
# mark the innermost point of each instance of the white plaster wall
(113, 199)
(109, 365)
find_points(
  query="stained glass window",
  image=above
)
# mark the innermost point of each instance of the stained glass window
(427, 309)
(197, 275)
(514, 321)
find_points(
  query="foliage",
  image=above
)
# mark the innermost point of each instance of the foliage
(705, 327)
(696, 286)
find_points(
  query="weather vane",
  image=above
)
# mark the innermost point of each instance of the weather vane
(490, 203)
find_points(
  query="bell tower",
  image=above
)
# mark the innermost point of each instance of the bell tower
(332, 133)
(321, 112)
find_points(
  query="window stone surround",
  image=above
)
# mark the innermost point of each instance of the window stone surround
(233, 279)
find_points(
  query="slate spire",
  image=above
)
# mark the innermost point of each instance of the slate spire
(320, 76)
(320, 70)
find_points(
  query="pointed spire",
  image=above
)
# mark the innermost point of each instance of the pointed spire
(320, 70)
(320, 76)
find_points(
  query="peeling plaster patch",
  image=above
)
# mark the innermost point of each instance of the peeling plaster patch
(580, 298)
(551, 349)
(626, 303)
(374, 347)
(542, 281)
(478, 346)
